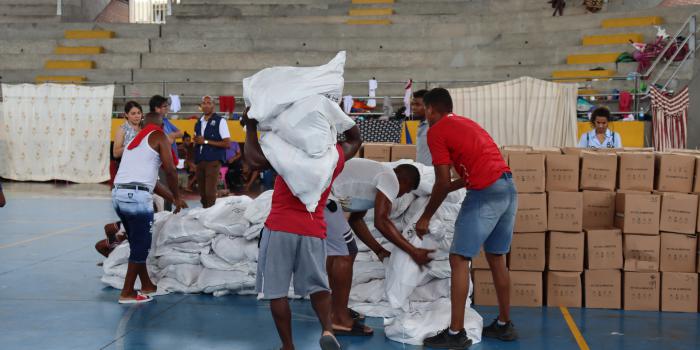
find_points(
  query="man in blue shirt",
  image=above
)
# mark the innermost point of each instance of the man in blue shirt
(418, 110)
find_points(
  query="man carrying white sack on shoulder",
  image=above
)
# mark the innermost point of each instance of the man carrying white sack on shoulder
(364, 184)
(293, 244)
(486, 218)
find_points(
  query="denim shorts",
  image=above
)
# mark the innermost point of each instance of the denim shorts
(486, 218)
(135, 210)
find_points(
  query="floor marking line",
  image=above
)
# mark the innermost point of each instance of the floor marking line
(574, 329)
(55, 233)
(119, 341)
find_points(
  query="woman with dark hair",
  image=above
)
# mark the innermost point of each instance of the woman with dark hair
(134, 115)
(600, 136)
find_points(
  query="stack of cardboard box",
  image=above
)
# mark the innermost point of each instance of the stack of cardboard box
(527, 257)
(387, 152)
(629, 217)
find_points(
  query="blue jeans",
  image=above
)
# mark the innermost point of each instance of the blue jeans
(135, 210)
(486, 218)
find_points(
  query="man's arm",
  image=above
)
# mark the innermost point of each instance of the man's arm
(225, 143)
(252, 151)
(352, 143)
(166, 157)
(457, 184)
(442, 187)
(175, 133)
(358, 225)
(382, 209)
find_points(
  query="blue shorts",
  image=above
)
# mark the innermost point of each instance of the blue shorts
(135, 210)
(486, 218)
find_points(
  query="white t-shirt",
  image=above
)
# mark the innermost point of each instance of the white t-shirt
(356, 187)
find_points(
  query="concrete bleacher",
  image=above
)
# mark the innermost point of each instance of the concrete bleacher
(209, 46)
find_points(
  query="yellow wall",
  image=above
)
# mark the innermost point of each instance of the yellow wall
(234, 128)
(632, 133)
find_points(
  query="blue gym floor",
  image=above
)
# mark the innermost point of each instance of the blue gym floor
(51, 297)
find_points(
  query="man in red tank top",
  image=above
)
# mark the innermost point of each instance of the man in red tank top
(292, 244)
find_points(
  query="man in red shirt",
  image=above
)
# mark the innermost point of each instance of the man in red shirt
(486, 218)
(292, 244)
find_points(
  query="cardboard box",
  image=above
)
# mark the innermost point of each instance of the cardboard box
(528, 171)
(547, 151)
(679, 212)
(598, 209)
(678, 252)
(573, 150)
(696, 183)
(565, 251)
(637, 213)
(565, 211)
(480, 262)
(403, 152)
(675, 172)
(532, 213)
(562, 172)
(642, 291)
(564, 289)
(636, 171)
(380, 152)
(527, 252)
(484, 289)
(598, 171)
(679, 292)
(603, 289)
(526, 288)
(604, 249)
(642, 253)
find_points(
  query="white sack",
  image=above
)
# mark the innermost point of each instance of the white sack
(183, 227)
(234, 250)
(212, 280)
(306, 177)
(226, 215)
(403, 274)
(370, 292)
(271, 90)
(413, 327)
(312, 125)
(259, 209)
(186, 274)
(365, 271)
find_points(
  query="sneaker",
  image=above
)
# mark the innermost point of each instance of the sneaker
(505, 333)
(444, 340)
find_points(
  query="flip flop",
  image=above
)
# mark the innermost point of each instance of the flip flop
(356, 315)
(357, 329)
(328, 342)
(140, 299)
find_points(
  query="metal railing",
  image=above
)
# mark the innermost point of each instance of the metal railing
(689, 29)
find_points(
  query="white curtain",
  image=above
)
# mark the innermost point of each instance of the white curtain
(55, 132)
(524, 111)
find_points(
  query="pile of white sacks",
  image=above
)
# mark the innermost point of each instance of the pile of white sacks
(215, 251)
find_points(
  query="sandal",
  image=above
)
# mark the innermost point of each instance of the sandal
(357, 329)
(356, 315)
(140, 298)
(328, 342)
